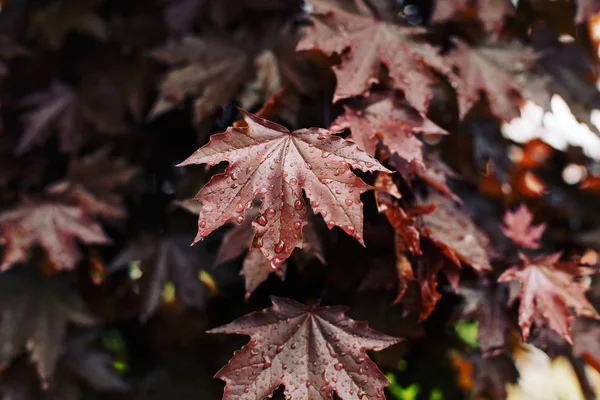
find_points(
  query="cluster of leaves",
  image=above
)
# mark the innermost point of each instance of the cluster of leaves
(429, 216)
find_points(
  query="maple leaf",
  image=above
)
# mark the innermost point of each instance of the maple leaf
(487, 305)
(312, 351)
(54, 226)
(211, 65)
(91, 181)
(256, 267)
(35, 312)
(549, 290)
(491, 12)
(265, 158)
(372, 43)
(518, 228)
(454, 232)
(163, 259)
(500, 70)
(54, 22)
(392, 120)
(55, 109)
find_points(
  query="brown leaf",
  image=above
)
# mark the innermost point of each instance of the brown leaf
(55, 109)
(54, 226)
(312, 351)
(265, 158)
(518, 228)
(390, 119)
(91, 183)
(54, 22)
(491, 13)
(211, 68)
(35, 312)
(549, 291)
(455, 233)
(365, 44)
(500, 70)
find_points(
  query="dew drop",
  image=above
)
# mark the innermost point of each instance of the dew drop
(338, 366)
(262, 221)
(325, 362)
(297, 225)
(284, 366)
(267, 362)
(326, 181)
(330, 224)
(307, 384)
(325, 154)
(369, 165)
(324, 213)
(294, 181)
(276, 262)
(284, 174)
(239, 207)
(239, 219)
(360, 360)
(293, 346)
(279, 247)
(235, 185)
(234, 176)
(281, 207)
(248, 205)
(246, 390)
(222, 191)
(279, 349)
(270, 212)
(202, 224)
(314, 204)
(308, 166)
(271, 167)
(298, 204)
(338, 191)
(349, 202)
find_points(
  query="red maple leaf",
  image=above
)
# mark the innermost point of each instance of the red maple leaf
(501, 71)
(91, 182)
(365, 44)
(549, 290)
(212, 66)
(52, 225)
(491, 12)
(454, 232)
(267, 159)
(391, 119)
(518, 228)
(312, 351)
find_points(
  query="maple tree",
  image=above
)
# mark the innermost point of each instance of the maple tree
(170, 167)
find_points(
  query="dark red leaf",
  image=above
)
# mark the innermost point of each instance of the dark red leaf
(312, 351)
(54, 226)
(265, 158)
(518, 227)
(549, 291)
(371, 43)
